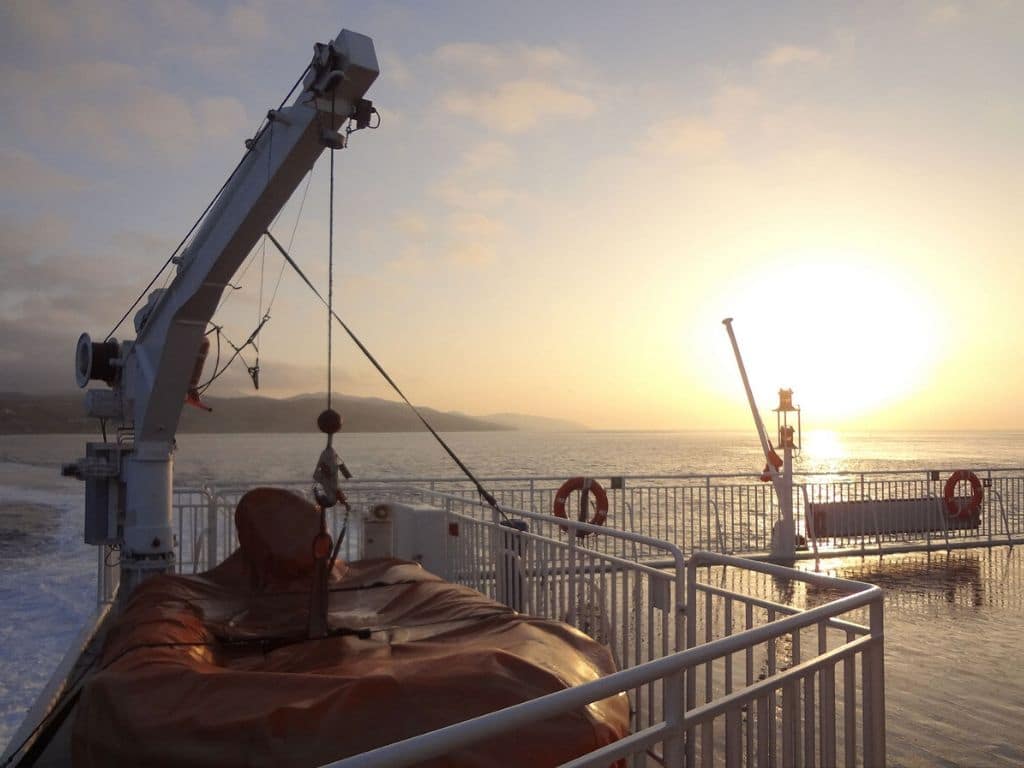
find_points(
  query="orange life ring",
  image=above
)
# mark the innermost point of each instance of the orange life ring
(586, 486)
(953, 505)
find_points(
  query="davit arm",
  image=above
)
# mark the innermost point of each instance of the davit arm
(149, 377)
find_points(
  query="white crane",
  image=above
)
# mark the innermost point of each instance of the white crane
(129, 484)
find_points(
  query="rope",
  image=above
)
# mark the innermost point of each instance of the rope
(330, 278)
(254, 371)
(291, 240)
(201, 389)
(484, 494)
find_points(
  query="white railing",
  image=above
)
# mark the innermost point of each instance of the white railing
(532, 565)
(730, 514)
(792, 694)
(707, 713)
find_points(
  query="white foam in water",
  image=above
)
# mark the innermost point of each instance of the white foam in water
(45, 596)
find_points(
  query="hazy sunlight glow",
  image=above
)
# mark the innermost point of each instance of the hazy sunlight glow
(850, 337)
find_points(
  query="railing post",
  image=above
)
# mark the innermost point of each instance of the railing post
(690, 699)
(211, 530)
(511, 580)
(673, 706)
(101, 576)
(874, 689)
(574, 598)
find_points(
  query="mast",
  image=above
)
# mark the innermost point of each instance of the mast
(129, 485)
(784, 531)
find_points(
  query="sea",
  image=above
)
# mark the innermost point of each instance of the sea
(954, 622)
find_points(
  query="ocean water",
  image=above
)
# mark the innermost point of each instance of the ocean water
(955, 671)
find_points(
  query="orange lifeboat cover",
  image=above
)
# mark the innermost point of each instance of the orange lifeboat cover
(214, 669)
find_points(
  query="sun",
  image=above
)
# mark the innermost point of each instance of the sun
(849, 335)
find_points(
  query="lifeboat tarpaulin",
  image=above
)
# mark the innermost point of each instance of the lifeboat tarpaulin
(215, 669)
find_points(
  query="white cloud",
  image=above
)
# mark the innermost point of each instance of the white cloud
(477, 194)
(411, 223)
(183, 16)
(410, 261)
(222, 118)
(486, 156)
(513, 88)
(475, 182)
(504, 60)
(475, 226)
(692, 137)
(41, 21)
(24, 175)
(519, 105)
(247, 23)
(394, 68)
(472, 254)
(945, 13)
(164, 119)
(786, 55)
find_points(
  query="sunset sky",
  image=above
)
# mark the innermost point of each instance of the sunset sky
(562, 203)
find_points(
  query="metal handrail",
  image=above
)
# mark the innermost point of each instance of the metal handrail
(669, 668)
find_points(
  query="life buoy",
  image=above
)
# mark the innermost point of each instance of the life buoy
(953, 505)
(586, 486)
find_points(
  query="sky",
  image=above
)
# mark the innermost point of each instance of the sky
(562, 203)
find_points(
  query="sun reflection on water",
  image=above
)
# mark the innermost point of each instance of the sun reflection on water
(823, 452)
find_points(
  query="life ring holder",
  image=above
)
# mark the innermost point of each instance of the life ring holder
(953, 505)
(586, 486)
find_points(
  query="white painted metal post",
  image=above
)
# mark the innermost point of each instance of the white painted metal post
(874, 689)
(691, 672)
(673, 706)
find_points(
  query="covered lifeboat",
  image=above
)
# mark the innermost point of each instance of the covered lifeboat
(217, 669)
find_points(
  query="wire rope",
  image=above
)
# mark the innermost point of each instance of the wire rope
(484, 493)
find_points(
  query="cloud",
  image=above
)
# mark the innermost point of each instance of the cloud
(692, 137)
(475, 226)
(475, 238)
(79, 24)
(472, 255)
(43, 306)
(39, 21)
(394, 68)
(36, 359)
(513, 88)
(24, 175)
(222, 118)
(503, 60)
(410, 261)
(945, 13)
(475, 183)
(411, 223)
(787, 55)
(519, 105)
(487, 156)
(111, 110)
(164, 119)
(246, 23)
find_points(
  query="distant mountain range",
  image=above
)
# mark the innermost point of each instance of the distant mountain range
(54, 414)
